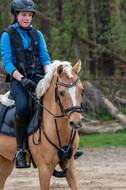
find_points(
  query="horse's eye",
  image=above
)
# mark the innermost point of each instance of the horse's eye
(61, 93)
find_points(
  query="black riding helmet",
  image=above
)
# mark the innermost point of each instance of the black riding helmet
(22, 5)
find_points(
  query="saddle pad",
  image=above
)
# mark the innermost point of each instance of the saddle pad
(3, 110)
(7, 122)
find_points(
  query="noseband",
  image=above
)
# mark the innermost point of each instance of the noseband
(57, 99)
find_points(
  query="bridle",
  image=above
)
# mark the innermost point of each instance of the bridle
(57, 99)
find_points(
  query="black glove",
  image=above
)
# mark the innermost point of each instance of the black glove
(28, 84)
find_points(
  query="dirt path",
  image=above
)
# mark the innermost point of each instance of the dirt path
(97, 169)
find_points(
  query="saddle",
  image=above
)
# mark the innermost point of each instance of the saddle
(7, 115)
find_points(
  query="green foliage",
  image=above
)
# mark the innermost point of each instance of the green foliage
(102, 115)
(59, 44)
(123, 110)
(5, 15)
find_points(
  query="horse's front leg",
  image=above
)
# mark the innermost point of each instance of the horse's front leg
(44, 177)
(71, 175)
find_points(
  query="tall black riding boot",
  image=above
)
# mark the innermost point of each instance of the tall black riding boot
(20, 130)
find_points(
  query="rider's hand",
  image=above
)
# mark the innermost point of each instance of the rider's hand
(28, 84)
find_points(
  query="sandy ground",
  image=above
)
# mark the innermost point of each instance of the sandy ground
(97, 169)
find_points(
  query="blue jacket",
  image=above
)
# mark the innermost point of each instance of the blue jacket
(7, 51)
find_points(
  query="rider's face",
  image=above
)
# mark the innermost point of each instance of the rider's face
(24, 18)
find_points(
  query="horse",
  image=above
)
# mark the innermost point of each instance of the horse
(61, 91)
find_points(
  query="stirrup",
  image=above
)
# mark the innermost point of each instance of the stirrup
(24, 165)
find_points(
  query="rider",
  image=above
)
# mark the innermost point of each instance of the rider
(26, 59)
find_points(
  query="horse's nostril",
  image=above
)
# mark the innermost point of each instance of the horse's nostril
(76, 125)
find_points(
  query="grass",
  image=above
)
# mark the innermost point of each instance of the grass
(103, 140)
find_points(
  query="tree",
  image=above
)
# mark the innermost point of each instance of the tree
(90, 36)
(42, 24)
(102, 20)
(5, 16)
(121, 17)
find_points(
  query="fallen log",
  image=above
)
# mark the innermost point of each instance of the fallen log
(113, 111)
(120, 100)
(98, 127)
(94, 100)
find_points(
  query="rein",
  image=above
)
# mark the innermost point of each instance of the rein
(64, 152)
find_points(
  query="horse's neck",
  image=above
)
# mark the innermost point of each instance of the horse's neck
(49, 97)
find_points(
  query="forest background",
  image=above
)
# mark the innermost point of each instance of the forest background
(67, 25)
(91, 30)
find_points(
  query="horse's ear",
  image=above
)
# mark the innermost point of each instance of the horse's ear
(59, 70)
(77, 67)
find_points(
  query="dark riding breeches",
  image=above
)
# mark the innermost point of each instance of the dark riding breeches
(21, 96)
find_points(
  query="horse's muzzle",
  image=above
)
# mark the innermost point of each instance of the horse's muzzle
(77, 124)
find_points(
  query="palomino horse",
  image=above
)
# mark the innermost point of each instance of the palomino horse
(61, 90)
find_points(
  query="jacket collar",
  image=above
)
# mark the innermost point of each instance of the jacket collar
(16, 26)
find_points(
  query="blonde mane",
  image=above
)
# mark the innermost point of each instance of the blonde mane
(44, 84)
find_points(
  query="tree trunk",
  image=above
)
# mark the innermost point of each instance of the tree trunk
(59, 7)
(112, 110)
(102, 19)
(123, 10)
(90, 36)
(45, 27)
